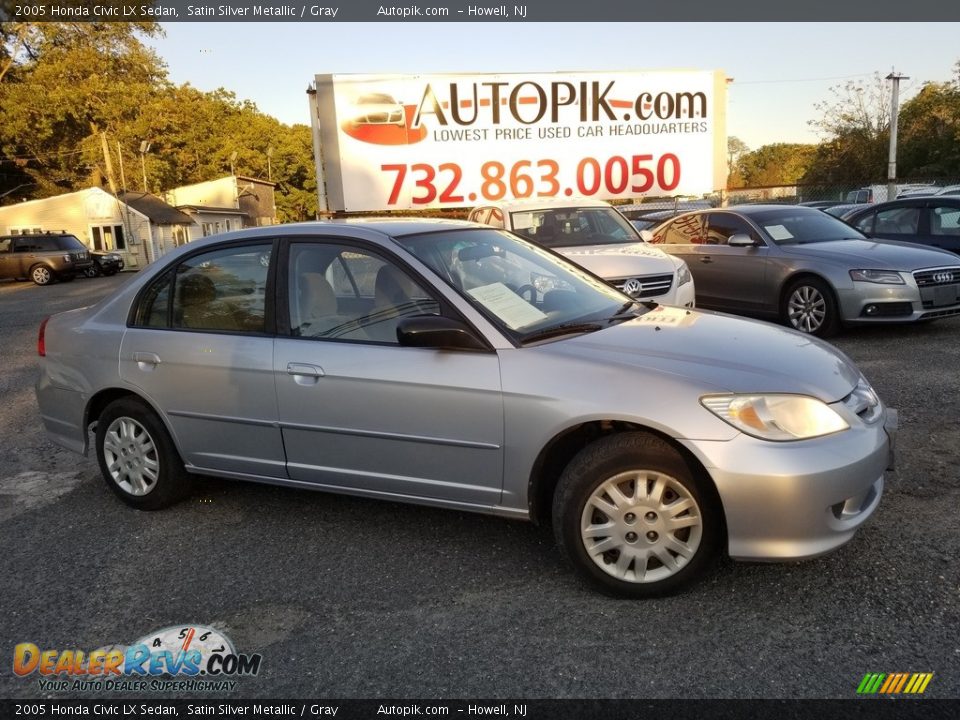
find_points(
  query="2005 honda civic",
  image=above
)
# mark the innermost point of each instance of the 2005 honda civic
(460, 366)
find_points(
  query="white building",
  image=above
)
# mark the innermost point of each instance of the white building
(139, 226)
(227, 203)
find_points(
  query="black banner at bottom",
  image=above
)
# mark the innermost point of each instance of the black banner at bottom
(873, 708)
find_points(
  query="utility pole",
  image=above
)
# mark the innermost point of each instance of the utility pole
(894, 77)
(144, 149)
(108, 163)
(123, 179)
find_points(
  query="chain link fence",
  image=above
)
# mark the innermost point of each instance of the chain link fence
(846, 193)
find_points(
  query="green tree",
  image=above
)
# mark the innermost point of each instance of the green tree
(776, 164)
(63, 84)
(929, 133)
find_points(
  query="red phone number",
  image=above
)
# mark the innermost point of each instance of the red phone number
(528, 178)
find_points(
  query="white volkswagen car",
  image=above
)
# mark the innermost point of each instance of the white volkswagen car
(594, 235)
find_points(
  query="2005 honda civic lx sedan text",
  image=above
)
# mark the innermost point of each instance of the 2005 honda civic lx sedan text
(460, 366)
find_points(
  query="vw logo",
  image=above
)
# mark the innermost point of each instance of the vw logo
(632, 286)
(943, 277)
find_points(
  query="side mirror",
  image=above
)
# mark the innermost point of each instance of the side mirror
(646, 236)
(741, 240)
(437, 332)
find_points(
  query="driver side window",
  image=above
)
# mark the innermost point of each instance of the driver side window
(339, 292)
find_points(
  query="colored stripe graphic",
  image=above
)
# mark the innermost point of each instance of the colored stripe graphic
(894, 683)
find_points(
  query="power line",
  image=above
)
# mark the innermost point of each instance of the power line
(817, 79)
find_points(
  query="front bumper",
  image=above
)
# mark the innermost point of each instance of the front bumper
(790, 501)
(872, 302)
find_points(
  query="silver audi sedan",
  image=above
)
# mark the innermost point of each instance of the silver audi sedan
(812, 271)
(460, 366)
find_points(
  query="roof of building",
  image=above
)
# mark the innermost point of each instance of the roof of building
(155, 209)
(213, 209)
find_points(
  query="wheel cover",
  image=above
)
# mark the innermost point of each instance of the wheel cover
(641, 526)
(131, 456)
(807, 309)
(41, 275)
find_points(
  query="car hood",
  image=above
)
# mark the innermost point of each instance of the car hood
(720, 353)
(622, 260)
(875, 254)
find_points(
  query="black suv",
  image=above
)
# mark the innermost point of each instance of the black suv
(43, 258)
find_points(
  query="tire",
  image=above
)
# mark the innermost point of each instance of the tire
(41, 275)
(92, 271)
(137, 457)
(639, 555)
(809, 307)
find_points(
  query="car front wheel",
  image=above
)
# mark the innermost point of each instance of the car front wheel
(41, 275)
(92, 271)
(137, 456)
(809, 307)
(633, 518)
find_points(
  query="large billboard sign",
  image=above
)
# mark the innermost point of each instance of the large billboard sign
(390, 142)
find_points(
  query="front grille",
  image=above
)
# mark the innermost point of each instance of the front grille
(937, 277)
(645, 286)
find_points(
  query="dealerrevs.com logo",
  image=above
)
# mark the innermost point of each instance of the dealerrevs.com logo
(176, 658)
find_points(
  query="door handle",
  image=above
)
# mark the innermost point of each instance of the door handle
(304, 373)
(305, 370)
(146, 360)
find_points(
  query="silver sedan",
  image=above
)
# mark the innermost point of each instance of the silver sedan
(402, 361)
(812, 271)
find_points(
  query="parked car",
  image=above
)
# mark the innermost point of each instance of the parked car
(810, 270)
(821, 204)
(949, 190)
(651, 220)
(593, 234)
(391, 360)
(42, 258)
(843, 210)
(932, 221)
(104, 263)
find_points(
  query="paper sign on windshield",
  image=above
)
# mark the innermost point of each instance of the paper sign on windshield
(503, 302)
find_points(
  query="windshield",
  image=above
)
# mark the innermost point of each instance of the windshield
(797, 226)
(569, 227)
(527, 292)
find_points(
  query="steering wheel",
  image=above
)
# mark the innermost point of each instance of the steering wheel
(524, 289)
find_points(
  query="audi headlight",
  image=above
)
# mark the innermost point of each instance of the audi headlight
(883, 277)
(776, 417)
(683, 274)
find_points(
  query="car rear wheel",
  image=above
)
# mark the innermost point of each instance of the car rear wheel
(633, 518)
(809, 307)
(137, 457)
(41, 275)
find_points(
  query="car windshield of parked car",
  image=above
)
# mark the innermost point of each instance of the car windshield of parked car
(527, 292)
(569, 227)
(803, 226)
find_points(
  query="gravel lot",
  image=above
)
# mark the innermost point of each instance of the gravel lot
(356, 598)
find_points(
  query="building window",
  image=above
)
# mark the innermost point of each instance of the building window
(108, 237)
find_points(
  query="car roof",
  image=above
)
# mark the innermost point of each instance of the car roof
(950, 200)
(547, 204)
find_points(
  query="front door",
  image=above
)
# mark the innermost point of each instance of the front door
(360, 412)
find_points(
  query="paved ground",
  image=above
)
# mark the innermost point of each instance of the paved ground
(355, 598)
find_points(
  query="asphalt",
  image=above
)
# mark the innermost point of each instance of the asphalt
(357, 598)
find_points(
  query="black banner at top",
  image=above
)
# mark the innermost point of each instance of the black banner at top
(332, 11)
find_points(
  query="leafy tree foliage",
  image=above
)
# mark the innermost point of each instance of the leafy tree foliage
(64, 84)
(776, 164)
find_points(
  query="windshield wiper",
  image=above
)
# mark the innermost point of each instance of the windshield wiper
(624, 312)
(564, 329)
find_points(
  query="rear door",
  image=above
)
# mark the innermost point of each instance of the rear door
(201, 349)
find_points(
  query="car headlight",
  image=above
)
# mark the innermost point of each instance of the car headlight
(776, 417)
(683, 274)
(883, 277)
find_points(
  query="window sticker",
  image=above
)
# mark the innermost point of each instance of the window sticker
(503, 302)
(778, 232)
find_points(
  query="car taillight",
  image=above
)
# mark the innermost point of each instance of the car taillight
(41, 340)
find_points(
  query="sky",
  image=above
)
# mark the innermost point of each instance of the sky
(779, 70)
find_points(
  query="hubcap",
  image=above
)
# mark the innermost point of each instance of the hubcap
(806, 309)
(131, 456)
(41, 275)
(663, 542)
